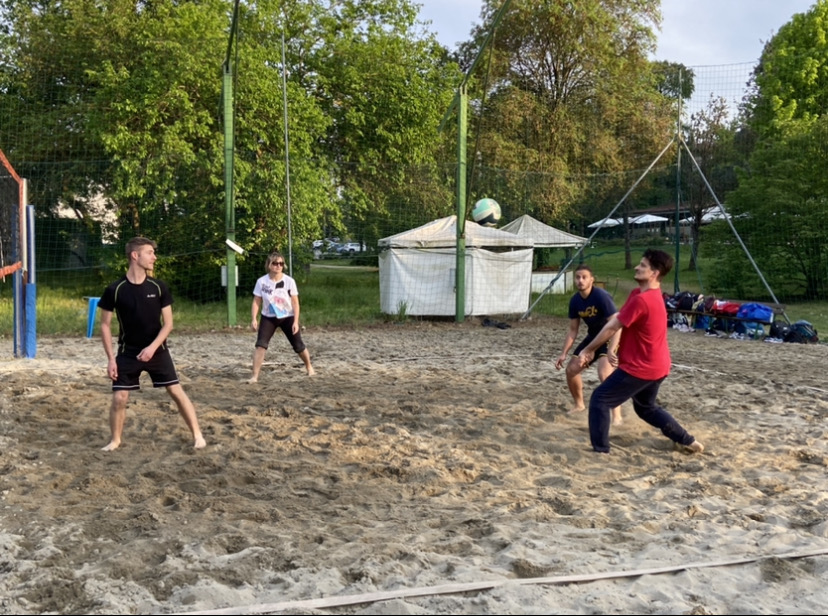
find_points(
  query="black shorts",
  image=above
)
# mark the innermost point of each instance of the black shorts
(160, 368)
(602, 350)
(267, 327)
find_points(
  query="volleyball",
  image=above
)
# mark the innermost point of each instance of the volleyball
(486, 212)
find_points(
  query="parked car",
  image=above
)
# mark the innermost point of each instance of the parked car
(330, 250)
(351, 248)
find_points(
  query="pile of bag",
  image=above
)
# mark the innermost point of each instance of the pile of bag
(801, 332)
(685, 300)
(754, 315)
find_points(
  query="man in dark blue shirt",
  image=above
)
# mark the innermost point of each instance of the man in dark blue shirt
(594, 307)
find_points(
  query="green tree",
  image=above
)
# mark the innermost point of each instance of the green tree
(44, 121)
(791, 80)
(261, 167)
(710, 138)
(569, 92)
(780, 210)
(780, 204)
(674, 80)
(118, 104)
(384, 87)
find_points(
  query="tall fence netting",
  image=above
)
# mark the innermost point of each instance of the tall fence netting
(81, 227)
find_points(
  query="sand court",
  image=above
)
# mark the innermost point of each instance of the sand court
(420, 456)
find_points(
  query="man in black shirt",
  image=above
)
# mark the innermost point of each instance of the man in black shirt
(143, 306)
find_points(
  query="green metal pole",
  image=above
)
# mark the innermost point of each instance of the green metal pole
(229, 209)
(287, 157)
(676, 283)
(460, 277)
(461, 102)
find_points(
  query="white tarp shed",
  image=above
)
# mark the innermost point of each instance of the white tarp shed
(542, 235)
(418, 270)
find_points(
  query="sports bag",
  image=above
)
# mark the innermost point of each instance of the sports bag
(724, 307)
(756, 312)
(779, 329)
(803, 333)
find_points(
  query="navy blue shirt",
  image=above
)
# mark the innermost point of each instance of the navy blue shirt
(594, 310)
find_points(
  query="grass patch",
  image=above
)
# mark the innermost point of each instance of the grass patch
(814, 312)
(343, 295)
(329, 295)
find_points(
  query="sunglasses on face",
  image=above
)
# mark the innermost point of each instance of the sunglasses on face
(279, 263)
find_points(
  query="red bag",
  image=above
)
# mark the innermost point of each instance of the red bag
(725, 307)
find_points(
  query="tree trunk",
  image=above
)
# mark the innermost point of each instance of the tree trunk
(694, 245)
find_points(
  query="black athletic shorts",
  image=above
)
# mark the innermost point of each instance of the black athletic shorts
(601, 352)
(160, 368)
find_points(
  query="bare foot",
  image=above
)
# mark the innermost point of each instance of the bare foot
(311, 371)
(252, 380)
(576, 409)
(200, 443)
(617, 418)
(694, 447)
(113, 445)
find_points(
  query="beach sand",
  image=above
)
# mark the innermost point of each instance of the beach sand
(428, 468)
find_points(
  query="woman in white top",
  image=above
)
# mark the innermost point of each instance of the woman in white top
(277, 297)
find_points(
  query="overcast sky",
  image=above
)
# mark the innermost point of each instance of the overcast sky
(694, 32)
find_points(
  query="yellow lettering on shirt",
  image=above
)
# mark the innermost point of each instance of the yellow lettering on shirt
(592, 311)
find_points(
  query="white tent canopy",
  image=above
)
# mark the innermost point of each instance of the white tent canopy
(709, 215)
(442, 233)
(643, 219)
(606, 222)
(714, 213)
(646, 219)
(541, 235)
(418, 270)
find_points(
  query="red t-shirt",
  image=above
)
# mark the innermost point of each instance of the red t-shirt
(643, 351)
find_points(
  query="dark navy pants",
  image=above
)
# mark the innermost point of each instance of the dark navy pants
(617, 389)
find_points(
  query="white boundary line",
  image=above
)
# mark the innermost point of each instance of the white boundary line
(267, 608)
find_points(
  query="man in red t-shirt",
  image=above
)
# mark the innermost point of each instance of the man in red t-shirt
(643, 359)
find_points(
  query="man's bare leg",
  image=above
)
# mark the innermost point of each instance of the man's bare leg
(305, 357)
(117, 417)
(605, 368)
(575, 384)
(187, 411)
(258, 360)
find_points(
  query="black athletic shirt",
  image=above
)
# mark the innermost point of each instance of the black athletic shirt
(138, 308)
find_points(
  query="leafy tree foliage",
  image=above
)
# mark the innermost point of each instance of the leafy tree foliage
(569, 92)
(384, 89)
(780, 210)
(116, 105)
(791, 79)
(710, 138)
(781, 202)
(674, 80)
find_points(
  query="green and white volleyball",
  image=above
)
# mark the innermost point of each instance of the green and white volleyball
(486, 212)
